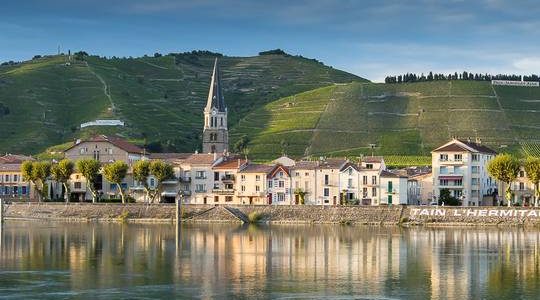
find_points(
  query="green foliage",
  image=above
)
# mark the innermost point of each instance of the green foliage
(447, 199)
(115, 173)
(255, 217)
(161, 171)
(141, 171)
(61, 172)
(274, 52)
(532, 168)
(301, 194)
(37, 173)
(89, 168)
(504, 168)
(241, 144)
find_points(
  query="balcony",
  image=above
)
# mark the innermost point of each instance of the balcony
(228, 178)
(223, 191)
(452, 161)
(184, 179)
(170, 181)
(200, 177)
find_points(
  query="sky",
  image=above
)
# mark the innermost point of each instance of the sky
(371, 39)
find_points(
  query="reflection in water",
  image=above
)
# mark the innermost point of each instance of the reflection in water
(218, 261)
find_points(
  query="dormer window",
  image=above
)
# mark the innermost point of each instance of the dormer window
(369, 166)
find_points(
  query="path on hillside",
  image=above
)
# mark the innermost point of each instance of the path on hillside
(154, 65)
(105, 86)
(316, 127)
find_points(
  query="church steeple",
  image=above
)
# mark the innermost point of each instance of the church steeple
(215, 132)
(215, 95)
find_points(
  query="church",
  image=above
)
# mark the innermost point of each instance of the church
(215, 132)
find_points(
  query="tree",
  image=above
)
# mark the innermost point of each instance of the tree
(160, 171)
(301, 194)
(447, 199)
(115, 173)
(241, 145)
(89, 168)
(532, 168)
(36, 172)
(61, 172)
(504, 168)
(141, 172)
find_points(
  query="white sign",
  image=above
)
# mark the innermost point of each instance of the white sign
(467, 212)
(515, 83)
(103, 123)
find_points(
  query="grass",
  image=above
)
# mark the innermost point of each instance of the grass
(160, 99)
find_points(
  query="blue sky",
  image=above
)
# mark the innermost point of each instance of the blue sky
(368, 38)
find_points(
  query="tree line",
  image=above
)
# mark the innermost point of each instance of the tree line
(412, 77)
(39, 172)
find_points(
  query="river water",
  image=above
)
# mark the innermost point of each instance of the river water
(51, 260)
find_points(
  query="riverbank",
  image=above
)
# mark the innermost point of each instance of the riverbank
(296, 214)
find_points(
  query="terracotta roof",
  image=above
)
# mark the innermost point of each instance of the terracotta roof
(305, 165)
(115, 140)
(200, 159)
(278, 167)
(230, 163)
(350, 164)
(14, 159)
(460, 145)
(169, 156)
(385, 173)
(372, 159)
(257, 168)
(332, 163)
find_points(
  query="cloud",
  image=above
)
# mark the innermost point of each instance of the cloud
(527, 65)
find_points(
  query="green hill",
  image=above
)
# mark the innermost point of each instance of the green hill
(43, 101)
(401, 119)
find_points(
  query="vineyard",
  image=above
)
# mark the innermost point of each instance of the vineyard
(399, 161)
(531, 149)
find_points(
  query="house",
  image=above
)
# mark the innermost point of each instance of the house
(522, 189)
(225, 181)
(252, 184)
(12, 184)
(328, 190)
(461, 167)
(393, 188)
(420, 189)
(350, 183)
(304, 180)
(279, 185)
(370, 171)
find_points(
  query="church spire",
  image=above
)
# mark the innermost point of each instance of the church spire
(215, 95)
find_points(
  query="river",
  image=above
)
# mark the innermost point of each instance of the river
(53, 260)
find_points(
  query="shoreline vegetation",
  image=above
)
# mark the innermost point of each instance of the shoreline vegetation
(283, 214)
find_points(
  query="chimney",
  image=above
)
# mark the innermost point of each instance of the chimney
(215, 156)
(238, 163)
(478, 140)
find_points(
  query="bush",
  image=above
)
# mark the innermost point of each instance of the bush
(255, 217)
(274, 51)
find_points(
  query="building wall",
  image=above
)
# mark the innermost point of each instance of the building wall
(305, 179)
(247, 192)
(107, 152)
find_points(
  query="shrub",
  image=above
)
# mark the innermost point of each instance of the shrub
(255, 217)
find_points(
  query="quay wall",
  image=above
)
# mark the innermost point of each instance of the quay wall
(354, 215)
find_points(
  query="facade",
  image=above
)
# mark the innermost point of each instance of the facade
(420, 189)
(253, 184)
(215, 132)
(393, 188)
(225, 180)
(522, 189)
(12, 185)
(460, 167)
(370, 172)
(279, 185)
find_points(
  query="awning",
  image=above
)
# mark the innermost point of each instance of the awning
(168, 194)
(450, 177)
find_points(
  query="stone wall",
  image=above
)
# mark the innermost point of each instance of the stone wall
(379, 215)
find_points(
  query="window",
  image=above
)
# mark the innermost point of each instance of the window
(349, 183)
(229, 186)
(200, 175)
(326, 192)
(369, 166)
(374, 192)
(270, 183)
(96, 154)
(257, 177)
(443, 170)
(350, 171)
(475, 157)
(389, 187)
(443, 182)
(458, 182)
(443, 157)
(364, 179)
(77, 185)
(6, 178)
(457, 157)
(228, 198)
(475, 181)
(373, 179)
(364, 192)
(152, 182)
(280, 197)
(216, 198)
(297, 174)
(23, 190)
(15, 178)
(280, 174)
(257, 188)
(243, 177)
(326, 179)
(474, 169)
(389, 198)
(200, 188)
(521, 174)
(216, 176)
(281, 183)
(243, 188)
(306, 174)
(221, 121)
(521, 186)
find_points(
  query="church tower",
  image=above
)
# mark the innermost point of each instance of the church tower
(215, 132)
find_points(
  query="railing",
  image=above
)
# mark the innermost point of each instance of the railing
(223, 191)
(228, 178)
(200, 177)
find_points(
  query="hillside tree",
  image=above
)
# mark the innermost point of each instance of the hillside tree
(61, 172)
(89, 168)
(504, 168)
(532, 168)
(115, 173)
